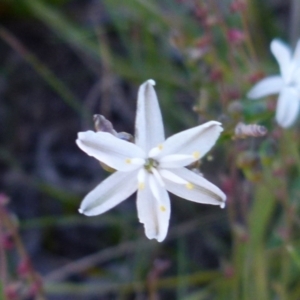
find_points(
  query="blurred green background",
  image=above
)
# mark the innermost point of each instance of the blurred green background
(62, 61)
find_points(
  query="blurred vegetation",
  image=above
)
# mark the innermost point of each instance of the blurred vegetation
(204, 57)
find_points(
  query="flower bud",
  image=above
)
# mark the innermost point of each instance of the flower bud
(232, 94)
(216, 75)
(35, 289)
(102, 124)
(8, 241)
(201, 12)
(238, 6)
(227, 185)
(24, 267)
(11, 291)
(211, 20)
(242, 130)
(228, 271)
(3, 199)
(235, 36)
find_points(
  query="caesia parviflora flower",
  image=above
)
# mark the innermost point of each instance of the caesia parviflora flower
(287, 84)
(151, 166)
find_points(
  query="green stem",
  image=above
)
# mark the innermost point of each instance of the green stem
(67, 96)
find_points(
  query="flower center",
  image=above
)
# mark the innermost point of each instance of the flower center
(292, 80)
(149, 164)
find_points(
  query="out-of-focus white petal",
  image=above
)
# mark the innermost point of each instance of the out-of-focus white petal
(198, 189)
(267, 86)
(196, 141)
(149, 128)
(296, 56)
(116, 153)
(109, 193)
(296, 77)
(287, 107)
(283, 55)
(154, 213)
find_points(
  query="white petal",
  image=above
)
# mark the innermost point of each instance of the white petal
(283, 55)
(172, 177)
(287, 107)
(154, 214)
(154, 187)
(149, 128)
(196, 141)
(198, 188)
(157, 177)
(176, 161)
(265, 87)
(296, 76)
(141, 178)
(296, 56)
(116, 153)
(109, 193)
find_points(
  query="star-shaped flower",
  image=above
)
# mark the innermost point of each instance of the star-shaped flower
(152, 166)
(287, 84)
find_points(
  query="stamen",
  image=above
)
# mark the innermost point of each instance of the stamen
(149, 164)
(196, 154)
(128, 161)
(141, 185)
(189, 186)
(162, 208)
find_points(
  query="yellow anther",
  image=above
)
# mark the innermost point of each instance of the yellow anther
(196, 154)
(128, 161)
(160, 146)
(141, 185)
(189, 186)
(162, 208)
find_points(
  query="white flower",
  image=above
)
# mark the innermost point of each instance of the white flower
(152, 166)
(287, 84)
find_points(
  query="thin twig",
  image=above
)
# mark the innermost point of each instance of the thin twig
(123, 249)
(33, 277)
(3, 262)
(50, 78)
